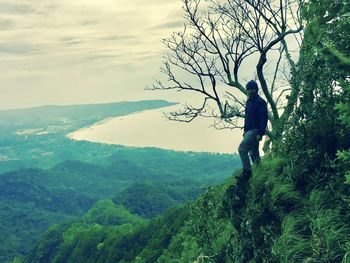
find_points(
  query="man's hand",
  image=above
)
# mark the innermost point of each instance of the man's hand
(258, 138)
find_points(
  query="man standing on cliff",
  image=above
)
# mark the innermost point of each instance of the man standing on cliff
(255, 123)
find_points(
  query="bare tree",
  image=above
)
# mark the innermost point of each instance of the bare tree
(219, 37)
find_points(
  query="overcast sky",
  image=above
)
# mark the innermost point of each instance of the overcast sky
(82, 51)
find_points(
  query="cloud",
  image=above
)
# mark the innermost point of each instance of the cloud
(6, 24)
(17, 48)
(89, 23)
(70, 41)
(101, 56)
(15, 8)
(117, 42)
(177, 24)
(120, 37)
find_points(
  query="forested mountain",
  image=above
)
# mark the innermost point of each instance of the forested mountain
(296, 205)
(144, 182)
(151, 198)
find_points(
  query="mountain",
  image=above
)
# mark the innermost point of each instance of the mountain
(29, 204)
(276, 222)
(33, 199)
(151, 198)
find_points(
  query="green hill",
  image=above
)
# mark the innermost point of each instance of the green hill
(151, 198)
(277, 223)
(29, 205)
(33, 199)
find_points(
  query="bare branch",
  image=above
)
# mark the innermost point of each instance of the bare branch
(217, 41)
(188, 113)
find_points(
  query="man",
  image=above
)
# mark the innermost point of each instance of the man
(255, 123)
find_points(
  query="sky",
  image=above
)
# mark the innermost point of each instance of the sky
(59, 52)
(85, 51)
(82, 51)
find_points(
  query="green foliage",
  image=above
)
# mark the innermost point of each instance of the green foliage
(344, 157)
(29, 205)
(293, 245)
(271, 195)
(105, 212)
(314, 233)
(317, 143)
(152, 198)
(344, 106)
(328, 231)
(147, 181)
(84, 238)
(344, 110)
(277, 223)
(73, 175)
(82, 242)
(180, 235)
(206, 234)
(273, 187)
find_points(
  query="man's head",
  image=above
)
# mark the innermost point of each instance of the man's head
(252, 88)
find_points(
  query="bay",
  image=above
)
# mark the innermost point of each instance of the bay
(151, 128)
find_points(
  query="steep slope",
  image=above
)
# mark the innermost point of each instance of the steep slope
(276, 223)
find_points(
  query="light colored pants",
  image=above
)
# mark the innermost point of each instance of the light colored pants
(249, 146)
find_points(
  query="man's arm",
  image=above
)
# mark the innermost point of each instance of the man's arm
(263, 118)
(245, 118)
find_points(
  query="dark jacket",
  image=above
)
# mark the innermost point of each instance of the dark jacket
(256, 115)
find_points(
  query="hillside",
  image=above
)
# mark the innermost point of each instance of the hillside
(33, 199)
(296, 206)
(276, 223)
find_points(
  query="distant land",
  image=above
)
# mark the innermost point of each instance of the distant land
(36, 136)
(85, 113)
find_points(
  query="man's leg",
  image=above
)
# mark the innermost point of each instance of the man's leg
(247, 144)
(245, 147)
(254, 152)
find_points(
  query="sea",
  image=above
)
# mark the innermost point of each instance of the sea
(150, 128)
